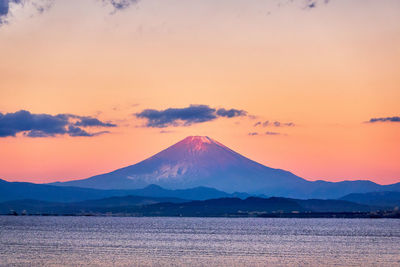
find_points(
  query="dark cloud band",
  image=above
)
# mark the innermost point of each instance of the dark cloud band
(384, 119)
(230, 113)
(185, 116)
(45, 125)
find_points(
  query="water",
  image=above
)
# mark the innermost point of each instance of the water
(106, 241)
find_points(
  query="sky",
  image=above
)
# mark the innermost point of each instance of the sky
(89, 86)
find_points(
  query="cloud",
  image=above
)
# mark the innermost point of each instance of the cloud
(5, 6)
(275, 124)
(45, 125)
(272, 133)
(33, 6)
(5, 9)
(384, 119)
(92, 122)
(40, 6)
(289, 124)
(185, 116)
(230, 113)
(120, 4)
(310, 4)
(283, 124)
(166, 131)
(266, 133)
(303, 4)
(76, 131)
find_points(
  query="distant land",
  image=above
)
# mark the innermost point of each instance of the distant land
(200, 161)
(221, 207)
(36, 199)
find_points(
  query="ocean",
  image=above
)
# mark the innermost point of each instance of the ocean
(166, 241)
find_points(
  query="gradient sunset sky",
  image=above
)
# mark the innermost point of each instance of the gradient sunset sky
(89, 86)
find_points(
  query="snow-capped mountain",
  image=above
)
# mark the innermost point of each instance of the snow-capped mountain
(202, 161)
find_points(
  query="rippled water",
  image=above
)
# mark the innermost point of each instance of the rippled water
(105, 241)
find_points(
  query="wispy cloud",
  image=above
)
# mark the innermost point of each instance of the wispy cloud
(185, 116)
(384, 119)
(274, 123)
(39, 6)
(266, 133)
(314, 3)
(45, 125)
(272, 133)
(120, 4)
(166, 131)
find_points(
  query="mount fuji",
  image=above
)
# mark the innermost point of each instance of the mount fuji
(202, 161)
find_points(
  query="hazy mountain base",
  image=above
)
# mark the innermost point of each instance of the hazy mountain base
(17, 191)
(381, 199)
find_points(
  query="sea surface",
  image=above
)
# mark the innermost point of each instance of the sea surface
(119, 241)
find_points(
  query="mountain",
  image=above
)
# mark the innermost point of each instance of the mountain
(201, 161)
(144, 206)
(192, 162)
(196, 193)
(17, 191)
(382, 199)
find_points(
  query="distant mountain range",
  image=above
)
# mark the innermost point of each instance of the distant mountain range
(26, 198)
(17, 191)
(199, 161)
(381, 199)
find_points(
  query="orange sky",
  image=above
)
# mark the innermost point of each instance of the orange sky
(326, 69)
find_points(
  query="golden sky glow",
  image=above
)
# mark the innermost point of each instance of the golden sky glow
(327, 69)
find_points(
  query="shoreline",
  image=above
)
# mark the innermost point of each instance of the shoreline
(314, 215)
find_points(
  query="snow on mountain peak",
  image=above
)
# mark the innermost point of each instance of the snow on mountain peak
(197, 143)
(198, 139)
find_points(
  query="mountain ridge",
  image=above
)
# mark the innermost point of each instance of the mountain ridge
(382, 199)
(10, 191)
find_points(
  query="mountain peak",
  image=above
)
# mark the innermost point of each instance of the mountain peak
(198, 138)
(197, 143)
